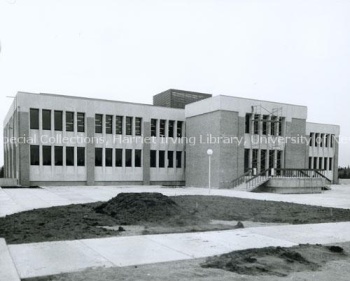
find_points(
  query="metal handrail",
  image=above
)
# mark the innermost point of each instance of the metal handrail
(241, 179)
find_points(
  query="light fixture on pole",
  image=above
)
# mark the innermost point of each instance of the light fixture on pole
(210, 153)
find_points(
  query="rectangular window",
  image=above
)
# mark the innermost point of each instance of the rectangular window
(325, 163)
(69, 156)
(153, 127)
(161, 154)
(34, 119)
(272, 159)
(58, 155)
(178, 159)
(46, 119)
(46, 155)
(98, 124)
(118, 157)
(170, 159)
(58, 120)
(255, 158)
(256, 124)
(179, 129)
(280, 122)
(128, 129)
(315, 163)
(81, 156)
(34, 155)
(310, 162)
(311, 141)
(247, 123)
(153, 159)
(317, 139)
(171, 128)
(138, 126)
(320, 162)
(128, 157)
(321, 140)
(98, 157)
(326, 141)
(332, 140)
(262, 160)
(109, 123)
(137, 158)
(81, 122)
(273, 125)
(162, 128)
(108, 157)
(330, 167)
(69, 121)
(119, 125)
(264, 124)
(246, 159)
(279, 159)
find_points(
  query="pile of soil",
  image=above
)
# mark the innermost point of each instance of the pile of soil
(146, 208)
(276, 261)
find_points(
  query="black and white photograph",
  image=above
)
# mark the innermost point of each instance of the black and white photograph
(192, 140)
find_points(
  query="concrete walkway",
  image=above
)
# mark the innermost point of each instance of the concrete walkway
(18, 200)
(40, 259)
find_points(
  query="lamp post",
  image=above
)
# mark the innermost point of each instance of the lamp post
(209, 152)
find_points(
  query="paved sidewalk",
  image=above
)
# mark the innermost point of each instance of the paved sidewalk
(40, 259)
(18, 200)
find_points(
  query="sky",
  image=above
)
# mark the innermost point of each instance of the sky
(290, 51)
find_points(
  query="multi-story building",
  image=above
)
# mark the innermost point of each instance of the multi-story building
(65, 140)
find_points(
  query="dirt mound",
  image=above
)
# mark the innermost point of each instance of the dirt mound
(276, 261)
(139, 208)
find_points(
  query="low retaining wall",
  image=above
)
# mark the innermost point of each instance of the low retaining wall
(8, 182)
(293, 185)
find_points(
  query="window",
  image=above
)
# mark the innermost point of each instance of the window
(247, 123)
(179, 129)
(326, 141)
(330, 168)
(153, 127)
(317, 139)
(58, 155)
(320, 162)
(119, 125)
(34, 119)
(98, 124)
(69, 121)
(170, 159)
(332, 140)
(128, 157)
(138, 126)
(34, 155)
(262, 159)
(153, 159)
(81, 122)
(69, 156)
(279, 159)
(109, 123)
(137, 158)
(162, 128)
(178, 159)
(325, 162)
(273, 125)
(264, 124)
(310, 162)
(256, 124)
(315, 163)
(255, 158)
(58, 120)
(81, 156)
(171, 128)
(46, 119)
(246, 159)
(280, 122)
(272, 159)
(46, 155)
(128, 128)
(161, 158)
(311, 141)
(321, 140)
(119, 157)
(98, 157)
(108, 157)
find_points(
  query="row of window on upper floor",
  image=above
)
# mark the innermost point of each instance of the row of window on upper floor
(321, 140)
(264, 124)
(166, 127)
